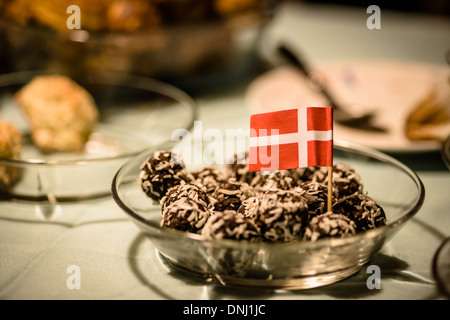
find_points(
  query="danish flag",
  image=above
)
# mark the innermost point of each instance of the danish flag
(292, 138)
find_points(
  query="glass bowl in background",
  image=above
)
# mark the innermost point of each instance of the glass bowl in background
(294, 265)
(189, 44)
(135, 114)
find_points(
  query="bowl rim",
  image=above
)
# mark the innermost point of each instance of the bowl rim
(106, 78)
(338, 144)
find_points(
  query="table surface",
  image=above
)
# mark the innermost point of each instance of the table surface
(116, 261)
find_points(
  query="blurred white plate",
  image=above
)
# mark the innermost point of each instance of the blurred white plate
(392, 88)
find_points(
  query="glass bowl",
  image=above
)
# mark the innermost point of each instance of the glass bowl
(292, 265)
(135, 114)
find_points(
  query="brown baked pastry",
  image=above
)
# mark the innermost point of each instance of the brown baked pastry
(232, 6)
(10, 148)
(61, 114)
(122, 15)
(430, 119)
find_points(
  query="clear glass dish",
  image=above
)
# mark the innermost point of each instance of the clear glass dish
(293, 265)
(135, 113)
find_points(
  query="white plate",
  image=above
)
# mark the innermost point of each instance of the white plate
(391, 88)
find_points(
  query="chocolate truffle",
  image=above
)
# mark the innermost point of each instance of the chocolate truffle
(185, 190)
(160, 172)
(230, 225)
(281, 215)
(249, 207)
(346, 180)
(209, 177)
(230, 194)
(282, 179)
(363, 210)
(329, 225)
(316, 195)
(185, 214)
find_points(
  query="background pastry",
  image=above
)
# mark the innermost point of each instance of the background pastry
(61, 114)
(10, 148)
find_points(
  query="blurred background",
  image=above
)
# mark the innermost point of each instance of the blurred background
(193, 44)
(440, 7)
(185, 42)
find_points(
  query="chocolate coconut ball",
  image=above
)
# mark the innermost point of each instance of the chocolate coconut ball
(329, 225)
(230, 225)
(281, 215)
(230, 194)
(235, 226)
(316, 196)
(346, 180)
(185, 190)
(160, 172)
(282, 179)
(363, 210)
(185, 214)
(249, 207)
(208, 177)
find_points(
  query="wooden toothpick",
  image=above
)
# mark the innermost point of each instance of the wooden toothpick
(330, 188)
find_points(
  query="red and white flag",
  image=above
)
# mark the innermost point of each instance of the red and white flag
(289, 139)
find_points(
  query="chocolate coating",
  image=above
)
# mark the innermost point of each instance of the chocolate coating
(329, 225)
(208, 177)
(249, 207)
(282, 179)
(363, 210)
(281, 214)
(230, 194)
(185, 190)
(346, 180)
(160, 172)
(230, 225)
(316, 196)
(185, 214)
